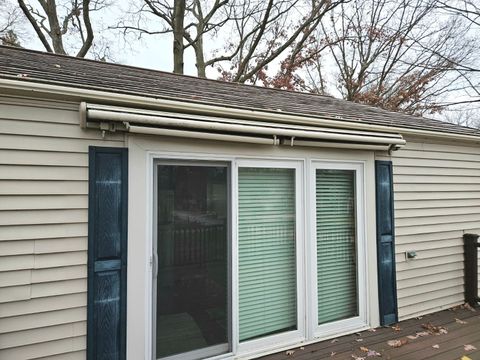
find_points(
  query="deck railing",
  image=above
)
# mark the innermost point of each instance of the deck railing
(471, 246)
(192, 245)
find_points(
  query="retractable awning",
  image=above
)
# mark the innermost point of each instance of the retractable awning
(153, 122)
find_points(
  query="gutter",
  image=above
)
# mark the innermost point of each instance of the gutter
(81, 94)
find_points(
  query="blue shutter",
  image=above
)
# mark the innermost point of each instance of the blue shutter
(107, 253)
(387, 281)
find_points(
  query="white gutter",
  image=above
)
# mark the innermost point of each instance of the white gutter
(61, 91)
(266, 129)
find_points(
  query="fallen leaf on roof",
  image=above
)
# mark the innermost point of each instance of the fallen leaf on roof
(397, 343)
(469, 347)
(363, 348)
(419, 317)
(396, 327)
(436, 346)
(412, 337)
(464, 357)
(460, 321)
(372, 330)
(302, 348)
(57, 65)
(334, 341)
(373, 353)
(290, 352)
(358, 340)
(333, 353)
(22, 75)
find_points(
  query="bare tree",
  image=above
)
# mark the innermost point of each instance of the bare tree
(187, 20)
(240, 38)
(266, 33)
(10, 38)
(464, 116)
(468, 9)
(9, 21)
(395, 54)
(52, 22)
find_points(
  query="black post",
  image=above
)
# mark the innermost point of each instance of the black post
(470, 245)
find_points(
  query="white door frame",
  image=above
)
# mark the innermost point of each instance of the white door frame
(361, 321)
(144, 149)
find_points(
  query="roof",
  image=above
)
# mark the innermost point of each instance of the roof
(40, 67)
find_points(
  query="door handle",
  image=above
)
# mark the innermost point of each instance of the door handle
(155, 265)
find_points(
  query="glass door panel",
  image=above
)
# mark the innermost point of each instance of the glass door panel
(337, 287)
(267, 251)
(192, 285)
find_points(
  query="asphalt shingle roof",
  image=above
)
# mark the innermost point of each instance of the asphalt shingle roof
(40, 67)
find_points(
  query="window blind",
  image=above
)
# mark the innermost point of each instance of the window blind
(336, 250)
(266, 240)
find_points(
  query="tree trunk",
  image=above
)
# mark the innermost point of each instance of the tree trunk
(55, 30)
(178, 48)
(200, 58)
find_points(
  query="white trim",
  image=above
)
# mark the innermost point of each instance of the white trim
(234, 250)
(150, 185)
(144, 150)
(360, 321)
(295, 336)
(202, 353)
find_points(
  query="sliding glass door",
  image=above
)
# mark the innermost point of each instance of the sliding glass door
(337, 214)
(269, 246)
(234, 272)
(192, 280)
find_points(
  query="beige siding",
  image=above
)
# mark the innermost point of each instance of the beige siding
(437, 199)
(43, 228)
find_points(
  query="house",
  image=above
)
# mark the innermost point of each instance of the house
(150, 215)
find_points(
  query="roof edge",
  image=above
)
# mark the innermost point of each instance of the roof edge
(62, 91)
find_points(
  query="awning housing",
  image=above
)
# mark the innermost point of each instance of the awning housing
(153, 122)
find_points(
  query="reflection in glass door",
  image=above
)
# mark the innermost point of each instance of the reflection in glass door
(192, 284)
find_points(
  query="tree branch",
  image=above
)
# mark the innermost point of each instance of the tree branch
(35, 26)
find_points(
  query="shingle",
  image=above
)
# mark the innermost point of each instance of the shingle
(34, 66)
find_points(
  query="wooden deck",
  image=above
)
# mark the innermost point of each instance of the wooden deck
(440, 336)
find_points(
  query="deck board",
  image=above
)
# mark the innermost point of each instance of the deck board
(450, 345)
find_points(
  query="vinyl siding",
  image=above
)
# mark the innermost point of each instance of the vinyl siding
(43, 228)
(437, 199)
